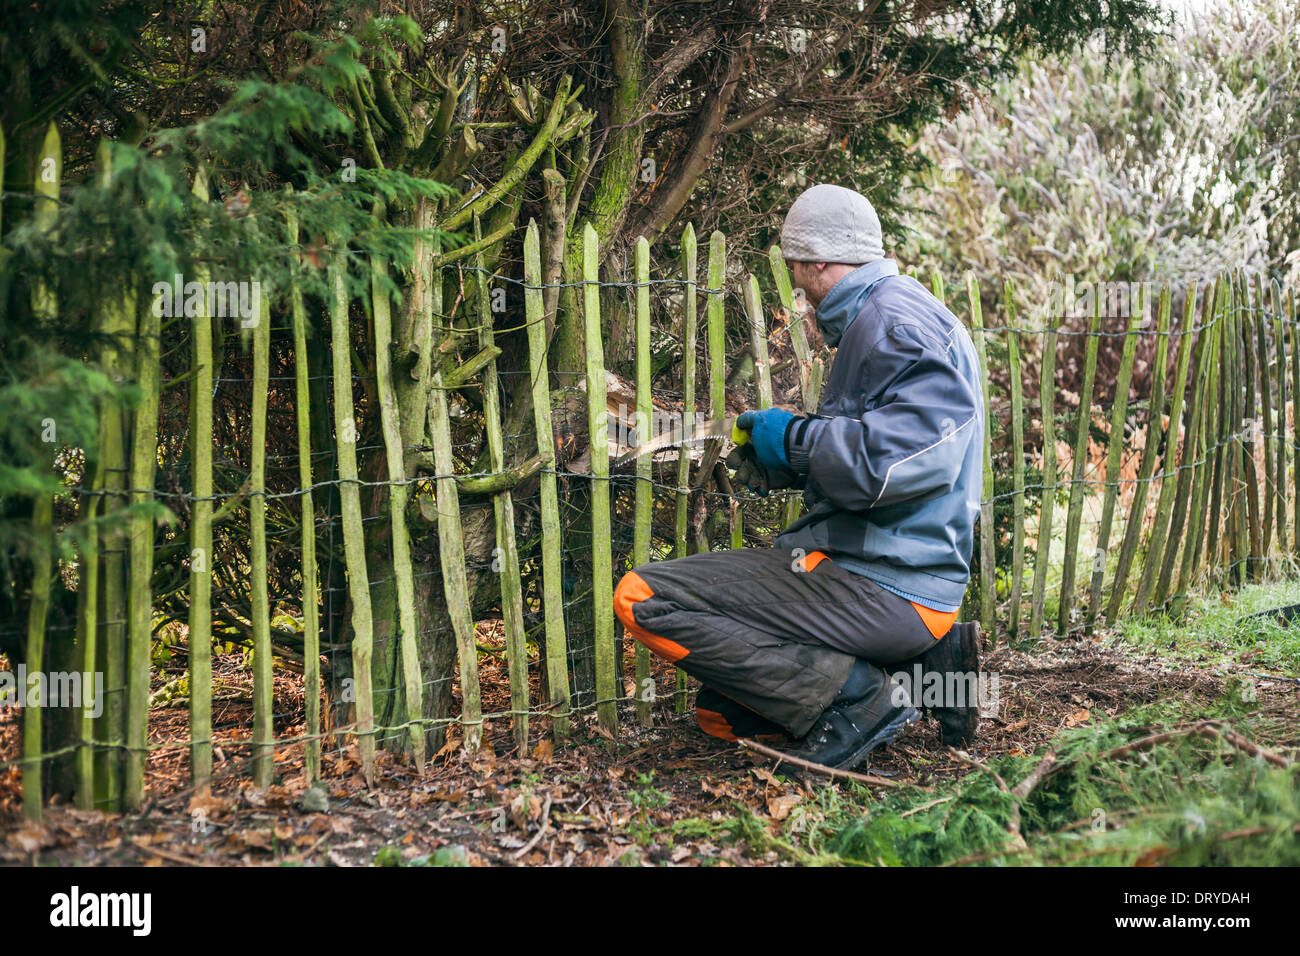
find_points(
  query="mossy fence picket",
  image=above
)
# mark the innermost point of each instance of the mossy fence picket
(1192, 484)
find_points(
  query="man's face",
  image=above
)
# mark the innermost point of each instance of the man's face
(816, 279)
(813, 281)
(808, 282)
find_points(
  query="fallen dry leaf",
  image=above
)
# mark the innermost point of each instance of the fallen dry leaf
(1078, 717)
(257, 839)
(719, 790)
(524, 808)
(205, 804)
(29, 838)
(778, 808)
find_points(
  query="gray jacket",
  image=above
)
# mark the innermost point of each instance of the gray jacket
(891, 465)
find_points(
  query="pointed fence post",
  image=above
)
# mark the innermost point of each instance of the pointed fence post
(1247, 430)
(201, 558)
(643, 515)
(354, 544)
(1047, 498)
(1074, 516)
(1294, 332)
(1279, 429)
(1017, 460)
(310, 584)
(1212, 431)
(144, 463)
(557, 645)
(503, 507)
(690, 332)
(263, 733)
(1238, 501)
(602, 560)
(758, 341)
(1114, 449)
(1262, 328)
(398, 495)
(451, 543)
(716, 318)
(988, 534)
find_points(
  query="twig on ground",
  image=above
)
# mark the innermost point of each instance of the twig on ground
(1250, 832)
(1250, 747)
(1025, 787)
(962, 757)
(168, 855)
(924, 806)
(819, 768)
(1204, 728)
(307, 853)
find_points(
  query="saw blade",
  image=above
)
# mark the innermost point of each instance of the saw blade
(714, 429)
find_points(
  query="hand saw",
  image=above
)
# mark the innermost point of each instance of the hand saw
(711, 430)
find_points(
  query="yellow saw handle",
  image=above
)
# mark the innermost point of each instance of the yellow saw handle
(739, 436)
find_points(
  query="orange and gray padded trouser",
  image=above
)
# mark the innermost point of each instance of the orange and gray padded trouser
(770, 633)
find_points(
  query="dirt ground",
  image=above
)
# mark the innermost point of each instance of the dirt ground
(592, 802)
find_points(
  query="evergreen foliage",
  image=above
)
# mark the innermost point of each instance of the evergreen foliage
(1191, 800)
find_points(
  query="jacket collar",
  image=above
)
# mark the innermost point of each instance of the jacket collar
(843, 303)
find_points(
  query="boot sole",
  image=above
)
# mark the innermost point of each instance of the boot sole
(886, 734)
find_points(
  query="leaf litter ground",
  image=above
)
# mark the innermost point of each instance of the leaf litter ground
(662, 795)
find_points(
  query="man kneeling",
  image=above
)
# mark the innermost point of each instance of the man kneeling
(799, 640)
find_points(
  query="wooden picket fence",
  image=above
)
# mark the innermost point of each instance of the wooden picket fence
(1218, 444)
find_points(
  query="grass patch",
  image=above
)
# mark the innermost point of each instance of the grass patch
(1214, 627)
(1113, 797)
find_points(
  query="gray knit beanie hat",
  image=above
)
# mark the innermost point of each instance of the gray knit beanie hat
(831, 224)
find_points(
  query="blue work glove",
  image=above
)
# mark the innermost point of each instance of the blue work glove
(767, 434)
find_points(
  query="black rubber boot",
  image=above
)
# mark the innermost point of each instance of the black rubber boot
(957, 652)
(869, 712)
